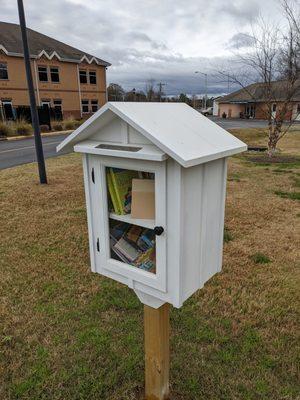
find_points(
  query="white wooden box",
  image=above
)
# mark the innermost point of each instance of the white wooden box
(187, 154)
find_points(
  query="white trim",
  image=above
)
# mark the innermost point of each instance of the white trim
(37, 83)
(79, 91)
(85, 58)
(54, 53)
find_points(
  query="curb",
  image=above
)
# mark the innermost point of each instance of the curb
(56, 133)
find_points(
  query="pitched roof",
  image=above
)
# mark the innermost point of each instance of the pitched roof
(176, 128)
(257, 92)
(39, 44)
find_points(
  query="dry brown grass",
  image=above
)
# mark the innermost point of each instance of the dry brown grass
(69, 334)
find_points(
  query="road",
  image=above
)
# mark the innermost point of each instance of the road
(239, 123)
(17, 152)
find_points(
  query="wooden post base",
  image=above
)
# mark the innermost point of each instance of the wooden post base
(157, 352)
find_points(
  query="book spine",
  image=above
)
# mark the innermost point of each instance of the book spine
(118, 197)
(112, 193)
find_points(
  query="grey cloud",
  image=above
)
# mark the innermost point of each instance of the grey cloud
(241, 40)
(241, 10)
(165, 40)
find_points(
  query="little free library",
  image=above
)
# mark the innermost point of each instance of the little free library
(155, 185)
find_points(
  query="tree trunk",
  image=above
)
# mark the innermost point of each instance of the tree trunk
(274, 135)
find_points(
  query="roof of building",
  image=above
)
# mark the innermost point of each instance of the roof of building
(256, 92)
(176, 128)
(39, 44)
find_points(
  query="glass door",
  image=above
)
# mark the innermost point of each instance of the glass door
(133, 203)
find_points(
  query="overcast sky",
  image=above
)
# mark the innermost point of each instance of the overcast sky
(163, 40)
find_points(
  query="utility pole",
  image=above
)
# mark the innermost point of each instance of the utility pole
(160, 85)
(203, 73)
(33, 109)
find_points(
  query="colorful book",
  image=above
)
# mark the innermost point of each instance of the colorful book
(122, 182)
(146, 239)
(124, 247)
(112, 193)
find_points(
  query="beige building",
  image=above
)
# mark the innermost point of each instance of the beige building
(250, 102)
(66, 79)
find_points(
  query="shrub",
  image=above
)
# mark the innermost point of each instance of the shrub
(71, 123)
(5, 129)
(23, 128)
(44, 128)
(57, 126)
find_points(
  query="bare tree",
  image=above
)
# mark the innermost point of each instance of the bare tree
(273, 62)
(115, 92)
(150, 91)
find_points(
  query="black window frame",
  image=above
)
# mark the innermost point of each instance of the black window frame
(94, 102)
(54, 73)
(43, 72)
(93, 74)
(4, 68)
(57, 103)
(83, 74)
(85, 103)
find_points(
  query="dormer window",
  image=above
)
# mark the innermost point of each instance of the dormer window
(3, 71)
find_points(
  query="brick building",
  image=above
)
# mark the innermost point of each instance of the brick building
(250, 102)
(66, 79)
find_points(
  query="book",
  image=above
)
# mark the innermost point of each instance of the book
(122, 182)
(143, 199)
(125, 248)
(146, 239)
(134, 233)
(112, 193)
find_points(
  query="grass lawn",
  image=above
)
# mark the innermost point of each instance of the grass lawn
(68, 334)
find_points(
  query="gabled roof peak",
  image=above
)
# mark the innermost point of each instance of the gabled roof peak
(175, 128)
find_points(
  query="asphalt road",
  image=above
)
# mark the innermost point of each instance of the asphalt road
(239, 123)
(17, 152)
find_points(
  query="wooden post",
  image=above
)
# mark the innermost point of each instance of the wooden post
(157, 352)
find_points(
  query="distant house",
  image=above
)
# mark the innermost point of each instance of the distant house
(67, 80)
(250, 102)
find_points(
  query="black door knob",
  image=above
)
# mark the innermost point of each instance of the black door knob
(158, 230)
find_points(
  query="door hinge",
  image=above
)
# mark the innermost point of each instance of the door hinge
(98, 245)
(93, 175)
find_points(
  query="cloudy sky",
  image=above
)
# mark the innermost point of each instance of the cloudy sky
(161, 40)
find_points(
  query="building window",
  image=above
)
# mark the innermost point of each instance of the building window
(8, 110)
(84, 106)
(54, 73)
(43, 74)
(94, 104)
(82, 76)
(274, 106)
(298, 108)
(57, 104)
(3, 71)
(93, 77)
(46, 104)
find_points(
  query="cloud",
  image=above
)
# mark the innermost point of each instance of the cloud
(240, 41)
(165, 40)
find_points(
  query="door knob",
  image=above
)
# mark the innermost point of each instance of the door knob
(158, 230)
